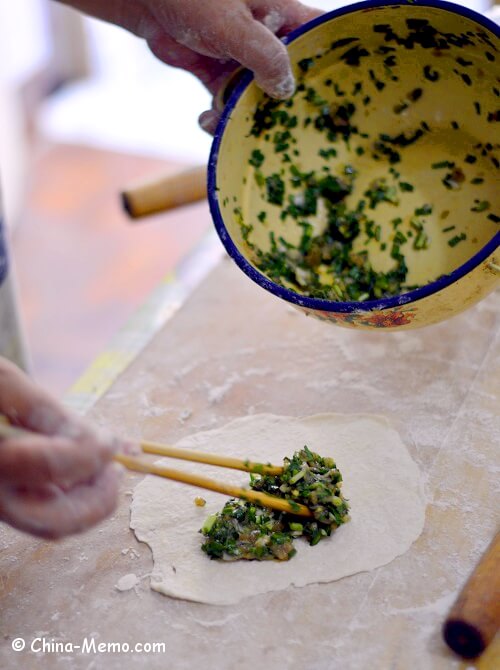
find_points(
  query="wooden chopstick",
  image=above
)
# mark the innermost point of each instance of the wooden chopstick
(220, 487)
(210, 459)
(139, 465)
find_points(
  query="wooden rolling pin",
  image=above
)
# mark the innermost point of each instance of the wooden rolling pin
(166, 192)
(170, 191)
(474, 619)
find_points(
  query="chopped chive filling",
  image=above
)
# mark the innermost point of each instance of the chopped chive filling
(327, 153)
(457, 239)
(259, 177)
(281, 140)
(430, 74)
(242, 530)
(326, 265)
(275, 189)
(480, 206)
(334, 237)
(405, 186)
(305, 64)
(442, 164)
(402, 140)
(245, 530)
(424, 210)
(386, 150)
(245, 231)
(257, 158)
(421, 240)
(380, 191)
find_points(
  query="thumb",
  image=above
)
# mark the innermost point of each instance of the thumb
(258, 49)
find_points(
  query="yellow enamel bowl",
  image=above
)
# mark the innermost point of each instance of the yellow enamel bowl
(380, 175)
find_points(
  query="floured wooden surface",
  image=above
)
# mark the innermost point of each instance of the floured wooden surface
(234, 350)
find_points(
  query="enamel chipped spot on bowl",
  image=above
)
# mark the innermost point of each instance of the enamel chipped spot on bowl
(370, 199)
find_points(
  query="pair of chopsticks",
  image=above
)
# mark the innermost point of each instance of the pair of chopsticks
(141, 465)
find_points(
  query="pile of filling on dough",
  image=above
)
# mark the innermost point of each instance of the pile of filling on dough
(246, 530)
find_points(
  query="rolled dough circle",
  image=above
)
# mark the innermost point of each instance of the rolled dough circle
(381, 481)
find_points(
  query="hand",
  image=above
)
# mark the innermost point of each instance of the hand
(59, 481)
(211, 37)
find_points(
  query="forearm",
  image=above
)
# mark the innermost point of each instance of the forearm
(126, 13)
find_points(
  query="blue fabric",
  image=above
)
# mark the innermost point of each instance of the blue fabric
(4, 265)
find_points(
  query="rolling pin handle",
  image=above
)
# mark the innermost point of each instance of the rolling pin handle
(165, 193)
(474, 619)
(126, 204)
(463, 638)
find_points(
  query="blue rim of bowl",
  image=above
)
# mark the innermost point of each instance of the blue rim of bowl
(318, 303)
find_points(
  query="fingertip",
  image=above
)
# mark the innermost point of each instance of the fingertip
(94, 501)
(129, 448)
(208, 121)
(119, 470)
(272, 69)
(280, 88)
(108, 445)
(109, 483)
